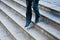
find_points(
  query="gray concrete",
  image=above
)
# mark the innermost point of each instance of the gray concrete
(14, 15)
(38, 35)
(55, 2)
(4, 35)
(10, 5)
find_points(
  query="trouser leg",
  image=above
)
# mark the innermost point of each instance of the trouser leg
(36, 9)
(28, 12)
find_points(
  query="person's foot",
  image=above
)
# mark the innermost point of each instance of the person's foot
(28, 27)
(27, 24)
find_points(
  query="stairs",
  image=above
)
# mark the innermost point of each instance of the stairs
(6, 34)
(12, 21)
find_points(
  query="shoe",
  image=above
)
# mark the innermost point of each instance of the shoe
(27, 24)
(38, 20)
(30, 26)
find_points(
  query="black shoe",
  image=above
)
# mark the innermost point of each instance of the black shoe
(27, 24)
(30, 26)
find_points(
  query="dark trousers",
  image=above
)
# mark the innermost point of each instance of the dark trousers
(34, 4)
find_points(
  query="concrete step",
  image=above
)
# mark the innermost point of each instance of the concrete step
(51, 30)
(34, 32)
(4, 34)
(13, 28)
(50, 6)
(53, 19)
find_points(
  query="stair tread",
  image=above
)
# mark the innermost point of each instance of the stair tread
(13, 28)
(5, 35)
(51, 16)
(51, 6)
(20, 2)
(44, 27)
(35, 33)
(44, 13)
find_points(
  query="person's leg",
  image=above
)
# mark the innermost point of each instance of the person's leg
(36, 10)
(28, 12)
